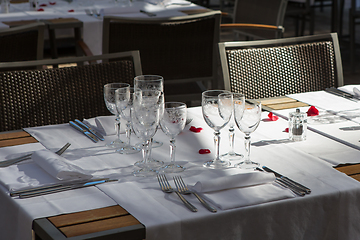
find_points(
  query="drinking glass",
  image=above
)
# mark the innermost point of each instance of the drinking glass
(217, 108)
(145, 117)
(247, 122)
(124, 102)
(172, 123)
(109, 97)
(150, 82)
(239, 104)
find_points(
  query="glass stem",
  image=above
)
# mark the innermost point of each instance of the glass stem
(150, 147)
(247, 148)
(118, 126)
(231, 140)
(217, 145)
(172, 150)
(128, 133)
(146, 151)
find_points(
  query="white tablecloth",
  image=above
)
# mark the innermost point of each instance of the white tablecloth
(331, 211)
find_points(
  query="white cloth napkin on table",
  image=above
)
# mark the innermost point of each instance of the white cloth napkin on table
(58, 166)
(106, 124)
(241, 190)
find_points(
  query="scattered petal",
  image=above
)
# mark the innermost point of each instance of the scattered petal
(52, 3)
(286, 130)
(273, 117)
(312, 111)
(43, 5)
(71, 10)
(40, 10)
(195, 129)
(204, 151)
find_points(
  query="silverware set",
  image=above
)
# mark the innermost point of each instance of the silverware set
(182, 189)
(12, 161)
(341, 93)
(91, 133)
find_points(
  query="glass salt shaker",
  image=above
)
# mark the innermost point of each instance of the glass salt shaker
(297, 126)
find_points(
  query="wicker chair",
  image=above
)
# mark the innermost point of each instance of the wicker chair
(58, 95)
(181, 49)
(259, 12)
(22, 43)
(270, 68)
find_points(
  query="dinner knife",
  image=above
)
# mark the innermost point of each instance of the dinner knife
(90, 129)
(63, 188)
(288, 180)
(84, 131)
(341, 93)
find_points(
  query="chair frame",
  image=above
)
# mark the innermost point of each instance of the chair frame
(263, 43)
(39, 26)
(215, 62)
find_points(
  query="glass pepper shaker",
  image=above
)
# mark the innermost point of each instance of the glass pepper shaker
(297, 126)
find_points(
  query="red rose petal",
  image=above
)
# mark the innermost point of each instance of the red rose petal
(52, 3)
(204, 151)
(273, 117)
(71, 10)
(43, 5)
(40, 10)
(312, 111)
(286, 130)
(195, 129)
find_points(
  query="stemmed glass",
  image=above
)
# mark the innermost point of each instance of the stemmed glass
(172, 123)
(145, 117)
(109, 97)
(239, 104)
(217, 108)
(124, 102)
(247, 122)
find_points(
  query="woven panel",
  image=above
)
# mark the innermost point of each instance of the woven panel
(54, 96)
(19, 47)
(277, 71)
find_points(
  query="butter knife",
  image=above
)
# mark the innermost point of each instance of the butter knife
(63, 188)
(288, 180)
(341, 93)
(90, 129)
(84, 131)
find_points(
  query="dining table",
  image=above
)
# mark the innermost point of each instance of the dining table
(91, 14)
(327, 162)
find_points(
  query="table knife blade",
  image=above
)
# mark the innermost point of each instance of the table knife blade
(341, 93)
(87, 133)
(90, 129)
(298, 185)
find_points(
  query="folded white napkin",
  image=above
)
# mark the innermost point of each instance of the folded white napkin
(241, 190)
(106, 125)
(58, 166)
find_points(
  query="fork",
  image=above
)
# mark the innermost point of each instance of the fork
(183, 189)
(166, 188)
(28, 156)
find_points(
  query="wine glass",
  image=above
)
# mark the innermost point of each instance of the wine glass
(109, 97)
(247, 122)
(239, 104)
(150, 82)
(172, 123)
(124, 102)
(217, 108)
(145, 118)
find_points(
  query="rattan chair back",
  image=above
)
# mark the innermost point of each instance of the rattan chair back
(260, 12)
(22, 43)
(181, 49)
(270, 68)
(54, 96)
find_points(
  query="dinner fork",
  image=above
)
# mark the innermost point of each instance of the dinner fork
(183, 189)
(28, 156)
(166, 188)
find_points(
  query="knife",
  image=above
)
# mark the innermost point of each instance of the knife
(63, 188)
(341, 93)
(288, 180)
(87, 133)
(91, 130)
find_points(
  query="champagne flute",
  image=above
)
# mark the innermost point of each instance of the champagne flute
(145, 117)
(247, 122)
(172, 123)
(109, 97)
(217, 108)
(124, 102)
(239, 104)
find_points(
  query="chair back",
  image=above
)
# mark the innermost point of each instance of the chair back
(260, 12)
(181, 49)
(277, 67)
(54, 96)
(22, 43)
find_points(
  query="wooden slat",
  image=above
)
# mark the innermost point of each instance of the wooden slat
(15, 138)
(287, 105)
(88, 216)
(350, 169)
(98, 226)
(12, 135)
(19, 23)
(277, 100)
(356, 177)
